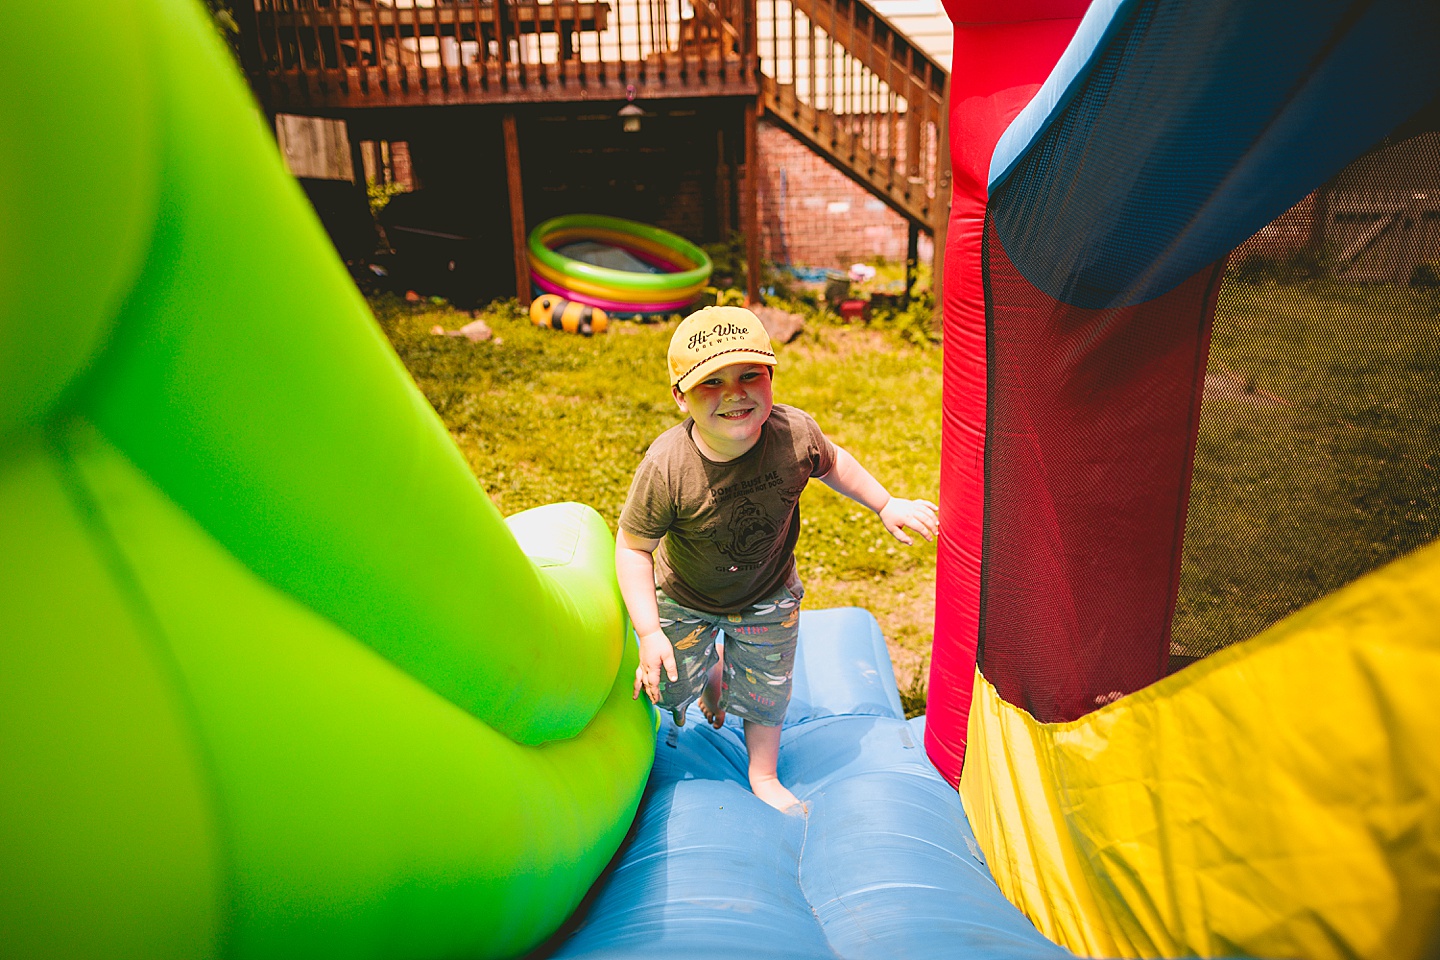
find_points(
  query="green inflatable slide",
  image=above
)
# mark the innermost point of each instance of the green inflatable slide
(276, 679)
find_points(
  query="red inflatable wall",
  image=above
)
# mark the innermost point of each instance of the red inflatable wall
(1004, 50)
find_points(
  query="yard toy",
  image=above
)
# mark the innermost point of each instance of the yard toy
(619, 307)
(557, 313)
(683, 267)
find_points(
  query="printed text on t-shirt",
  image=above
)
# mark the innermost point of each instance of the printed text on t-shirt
(719, 495)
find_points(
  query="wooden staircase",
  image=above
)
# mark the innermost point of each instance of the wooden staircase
(849, 84)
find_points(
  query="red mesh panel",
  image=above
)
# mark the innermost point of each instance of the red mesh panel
(1092, 419)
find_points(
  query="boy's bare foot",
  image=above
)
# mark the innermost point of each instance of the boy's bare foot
(762, 743)
(710, 698)
(678, 715)
(775, 793)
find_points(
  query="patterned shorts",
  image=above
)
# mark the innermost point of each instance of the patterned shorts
(759, 653)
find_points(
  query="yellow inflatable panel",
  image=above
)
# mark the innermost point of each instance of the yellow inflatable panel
(1278, 799)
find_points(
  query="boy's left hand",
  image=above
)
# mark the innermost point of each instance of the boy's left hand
(922, 516)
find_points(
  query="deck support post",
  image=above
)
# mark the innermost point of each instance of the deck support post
(750, 203)
(357, 155)
(377, 161)
(912, 259)
(940, 213)
(724, 195)
(517, 207)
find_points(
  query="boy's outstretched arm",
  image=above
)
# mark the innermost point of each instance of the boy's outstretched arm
(635, 569)
(854, 481)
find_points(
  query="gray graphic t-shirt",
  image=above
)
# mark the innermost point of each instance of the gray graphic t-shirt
(728, 529)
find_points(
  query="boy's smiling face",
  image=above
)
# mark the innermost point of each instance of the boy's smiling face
(729, 407)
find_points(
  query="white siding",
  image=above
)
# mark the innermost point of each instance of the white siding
(924, 22)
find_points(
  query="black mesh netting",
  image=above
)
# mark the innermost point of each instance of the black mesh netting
(1318, 457)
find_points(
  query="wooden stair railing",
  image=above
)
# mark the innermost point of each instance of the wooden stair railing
(849, 84)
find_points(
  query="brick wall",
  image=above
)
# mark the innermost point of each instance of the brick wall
(825, 219)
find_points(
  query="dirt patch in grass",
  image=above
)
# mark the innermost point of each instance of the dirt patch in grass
(830, 343)
(1222, 383)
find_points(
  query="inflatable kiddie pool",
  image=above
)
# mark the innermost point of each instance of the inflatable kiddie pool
(619, 265)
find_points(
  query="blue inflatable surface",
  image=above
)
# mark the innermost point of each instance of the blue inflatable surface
(884, 864)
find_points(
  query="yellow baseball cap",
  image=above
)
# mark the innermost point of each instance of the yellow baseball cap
(715, 337)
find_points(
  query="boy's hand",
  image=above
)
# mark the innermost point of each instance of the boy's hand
(919, 515)
(655, 651)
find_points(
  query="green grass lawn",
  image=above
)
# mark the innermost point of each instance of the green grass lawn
(1319, 450)
(544, 416)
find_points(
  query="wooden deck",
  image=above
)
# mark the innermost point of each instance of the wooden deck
(336, 54)
(834, 72)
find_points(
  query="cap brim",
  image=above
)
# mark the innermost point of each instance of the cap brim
(725, 359)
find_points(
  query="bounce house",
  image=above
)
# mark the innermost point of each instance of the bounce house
(277, 680)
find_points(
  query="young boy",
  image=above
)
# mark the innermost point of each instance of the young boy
(707, 535)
